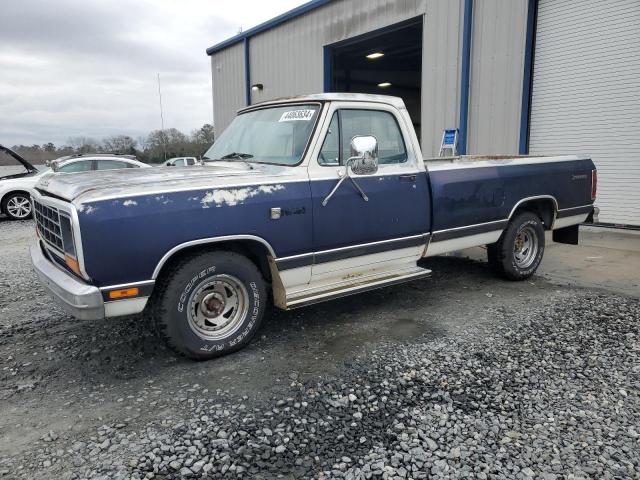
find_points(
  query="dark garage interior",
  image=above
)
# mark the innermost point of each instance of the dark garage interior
(387, 61)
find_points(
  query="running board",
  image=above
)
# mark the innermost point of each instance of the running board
(354, 288)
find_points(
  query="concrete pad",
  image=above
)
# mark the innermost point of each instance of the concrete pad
(606, 258)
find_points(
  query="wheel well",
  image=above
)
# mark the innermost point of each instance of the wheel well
(11, 193)
(253, 250)
(545, 208)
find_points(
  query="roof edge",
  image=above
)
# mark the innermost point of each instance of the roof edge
(331, 97)
(285, 17)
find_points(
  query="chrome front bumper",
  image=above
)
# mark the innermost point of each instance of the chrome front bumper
(76, 297)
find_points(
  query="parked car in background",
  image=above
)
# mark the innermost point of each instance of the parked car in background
(17, 180)
(181, 162)
(95, 161)
(18, 176)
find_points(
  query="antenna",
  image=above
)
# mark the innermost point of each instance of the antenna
(164, 143)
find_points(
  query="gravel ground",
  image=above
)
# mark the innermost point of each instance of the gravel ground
(473, 378)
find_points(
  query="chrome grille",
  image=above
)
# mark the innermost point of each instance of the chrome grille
(48, 223)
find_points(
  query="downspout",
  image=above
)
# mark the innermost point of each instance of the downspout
(464, 76)
(527, 77)
(326, 51)
(247, 72)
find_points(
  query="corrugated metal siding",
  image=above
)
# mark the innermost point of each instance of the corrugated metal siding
(586, 95)
(227, 71)
(497, 63)
(442, 43)
(288, 59)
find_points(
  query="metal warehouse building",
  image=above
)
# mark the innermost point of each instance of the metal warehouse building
(514, 76)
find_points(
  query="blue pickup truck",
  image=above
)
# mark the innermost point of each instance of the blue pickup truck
(299, 201)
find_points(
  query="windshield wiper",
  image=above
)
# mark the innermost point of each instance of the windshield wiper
(236, 155)
(242, 157)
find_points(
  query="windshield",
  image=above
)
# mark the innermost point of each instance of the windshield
(275, 135)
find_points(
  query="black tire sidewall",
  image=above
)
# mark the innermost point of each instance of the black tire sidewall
(187, 279)
(520, 223)
(5, 202)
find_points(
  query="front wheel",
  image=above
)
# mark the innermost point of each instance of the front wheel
(518, 252)
(17, 206)
(209, 304)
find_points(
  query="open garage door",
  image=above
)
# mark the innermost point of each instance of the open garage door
(386, 62)
(586, 95)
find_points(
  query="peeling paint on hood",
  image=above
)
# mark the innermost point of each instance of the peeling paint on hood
(131, 182)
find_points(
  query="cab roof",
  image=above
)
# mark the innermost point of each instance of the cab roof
(332, 97)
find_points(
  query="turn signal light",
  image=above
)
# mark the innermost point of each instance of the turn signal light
(594, 184)
(73, 264)
(124, 293)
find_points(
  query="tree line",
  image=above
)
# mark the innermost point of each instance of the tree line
(154, 148)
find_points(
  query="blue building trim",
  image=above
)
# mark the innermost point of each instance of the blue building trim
(527, 77)
(285, 17)
(464, 76)
(247, 72)
(327, 67)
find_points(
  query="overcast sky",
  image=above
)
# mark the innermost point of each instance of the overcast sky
(88, 67)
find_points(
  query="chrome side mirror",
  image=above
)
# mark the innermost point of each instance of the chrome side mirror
(363, 161)
(364, 155)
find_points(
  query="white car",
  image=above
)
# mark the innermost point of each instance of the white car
(181, 162)
(17, 180)
(94, 161)
(20, 179)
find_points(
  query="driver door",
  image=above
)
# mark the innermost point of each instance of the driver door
(351, 233)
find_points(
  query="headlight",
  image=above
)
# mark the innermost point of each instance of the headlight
(69, 246)
(67, 235)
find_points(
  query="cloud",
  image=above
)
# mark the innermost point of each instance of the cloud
(72, 67)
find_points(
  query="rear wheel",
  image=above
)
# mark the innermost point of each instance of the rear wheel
(518, 252)
(17, 206)
(209, 304)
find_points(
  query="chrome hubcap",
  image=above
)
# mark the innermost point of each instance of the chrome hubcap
(19, 207)
(217, 307)
(525, 248)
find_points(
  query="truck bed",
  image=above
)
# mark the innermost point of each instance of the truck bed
(473, 195)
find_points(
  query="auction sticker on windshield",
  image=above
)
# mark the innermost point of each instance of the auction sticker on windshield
(293, 115)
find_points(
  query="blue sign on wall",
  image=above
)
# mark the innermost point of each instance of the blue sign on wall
(449, 141)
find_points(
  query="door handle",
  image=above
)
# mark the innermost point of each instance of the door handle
(408, 178)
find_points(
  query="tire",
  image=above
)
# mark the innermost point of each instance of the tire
(17, 206)
(209, 304)
(518, 252)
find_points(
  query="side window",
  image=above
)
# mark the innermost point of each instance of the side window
(80, 166)
(110, 164)
(380, 124)
(330, 152)
(179, 162)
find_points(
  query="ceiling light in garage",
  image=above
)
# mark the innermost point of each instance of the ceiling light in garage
(375, 55)
(384, 85)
